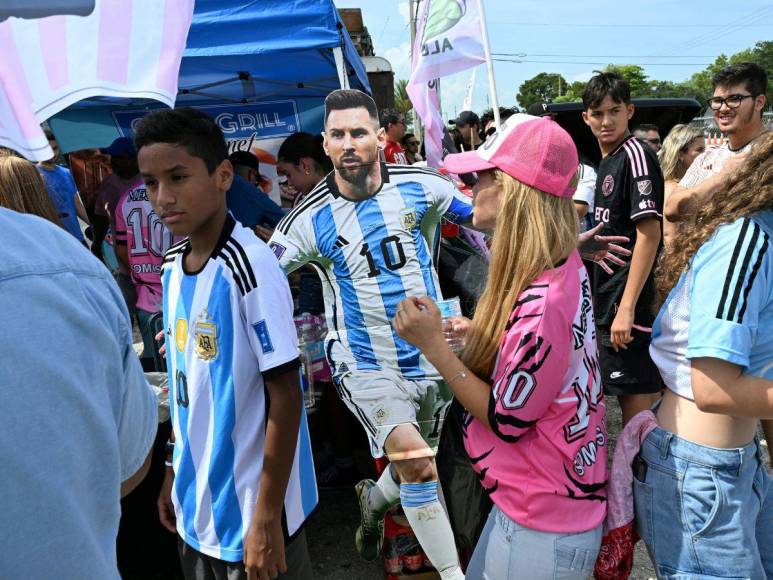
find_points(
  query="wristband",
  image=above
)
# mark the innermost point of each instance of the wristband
(168, 464)
(460, 375)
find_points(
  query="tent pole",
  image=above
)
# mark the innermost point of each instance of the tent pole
(343, 78)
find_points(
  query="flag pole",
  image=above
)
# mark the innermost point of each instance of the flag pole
(492, 85)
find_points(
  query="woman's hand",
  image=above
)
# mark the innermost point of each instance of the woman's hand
(599, 249)
(458, 328)
(417, 320)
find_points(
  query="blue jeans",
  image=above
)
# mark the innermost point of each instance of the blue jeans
(704, 512)
(148, 341)
(507, 550)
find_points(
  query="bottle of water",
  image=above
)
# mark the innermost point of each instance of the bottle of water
(305, 344)
(449, 309)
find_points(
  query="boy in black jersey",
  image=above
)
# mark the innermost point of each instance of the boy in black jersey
(629, 201)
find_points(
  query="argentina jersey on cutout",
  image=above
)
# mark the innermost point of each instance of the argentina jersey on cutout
(228, 327)
(370, 255)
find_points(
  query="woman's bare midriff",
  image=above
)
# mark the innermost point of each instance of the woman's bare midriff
(683, 418)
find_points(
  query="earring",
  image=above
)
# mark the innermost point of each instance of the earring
(308, 172)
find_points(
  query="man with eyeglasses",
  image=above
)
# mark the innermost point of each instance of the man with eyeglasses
(650, 134)
(737, 106)
(394, 128)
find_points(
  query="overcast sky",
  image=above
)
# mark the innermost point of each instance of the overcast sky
(671, 39)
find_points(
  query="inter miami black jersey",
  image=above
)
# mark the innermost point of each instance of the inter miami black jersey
(629, 188)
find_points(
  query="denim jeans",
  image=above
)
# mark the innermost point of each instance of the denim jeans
(148, 341)
(704, 512)
(507, 550)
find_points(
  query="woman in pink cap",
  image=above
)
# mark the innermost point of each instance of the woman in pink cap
(529, 375)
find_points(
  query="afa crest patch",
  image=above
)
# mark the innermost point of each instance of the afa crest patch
(205, 335)
(408, 218)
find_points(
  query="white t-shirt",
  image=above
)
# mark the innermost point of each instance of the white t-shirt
(708, 163)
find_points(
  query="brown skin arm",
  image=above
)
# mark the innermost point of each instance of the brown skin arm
(122, 253)
(581, 209)
(721, 387)
(644, 251)
(264, 554)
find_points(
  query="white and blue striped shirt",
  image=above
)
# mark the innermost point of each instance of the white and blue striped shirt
(229, 327)
(370, 255)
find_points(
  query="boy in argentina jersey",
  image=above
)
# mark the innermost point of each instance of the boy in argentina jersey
(141, 240)
(240, 482)
(369, 230)
(629, 202)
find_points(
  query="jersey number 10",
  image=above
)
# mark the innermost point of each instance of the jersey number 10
(392, 252)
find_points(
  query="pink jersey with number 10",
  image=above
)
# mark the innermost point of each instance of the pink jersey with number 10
(147, 239)
(543, 462)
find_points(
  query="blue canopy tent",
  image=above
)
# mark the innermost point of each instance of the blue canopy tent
(241, 52)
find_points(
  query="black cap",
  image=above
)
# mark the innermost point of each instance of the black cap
(538, 109)
(466, 118)
(245, 159)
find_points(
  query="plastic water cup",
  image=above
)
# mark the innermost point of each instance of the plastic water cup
(448, 310)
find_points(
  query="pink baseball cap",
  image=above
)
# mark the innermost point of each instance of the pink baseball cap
(534, 150)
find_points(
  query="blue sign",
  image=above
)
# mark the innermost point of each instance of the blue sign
(241, 124)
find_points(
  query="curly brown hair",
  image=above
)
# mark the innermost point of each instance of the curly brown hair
(748, 191)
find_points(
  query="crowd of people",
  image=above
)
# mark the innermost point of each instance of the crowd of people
(647, 278)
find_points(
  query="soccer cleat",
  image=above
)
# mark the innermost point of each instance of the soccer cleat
(370, 535)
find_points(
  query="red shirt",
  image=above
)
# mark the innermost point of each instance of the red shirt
(395, 153)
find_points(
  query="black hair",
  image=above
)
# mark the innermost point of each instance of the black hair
(604, 84)
(488, 115)
(343, 99)
(303, 144)
(407, 137)
(647, 127)
(390, 117)
(187, 127)
(49, 134)
(752, 75)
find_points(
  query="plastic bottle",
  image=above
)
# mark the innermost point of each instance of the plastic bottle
(305, 343)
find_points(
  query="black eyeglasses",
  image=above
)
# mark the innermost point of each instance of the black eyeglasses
(732, 101)
(655, 141)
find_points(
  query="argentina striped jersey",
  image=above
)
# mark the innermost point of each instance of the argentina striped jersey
(228, 326)
(722, 307)
(370, 255)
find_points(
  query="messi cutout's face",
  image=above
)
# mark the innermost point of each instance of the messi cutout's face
(352, 140)
(184, 194)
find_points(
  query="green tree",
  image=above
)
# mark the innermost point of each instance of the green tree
(543, 87)
(762, 54)
(573, 93)
(402, 101)
(636, 77)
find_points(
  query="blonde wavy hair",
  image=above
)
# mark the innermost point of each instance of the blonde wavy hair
(676, 142)
(22, 189)
(534, 231)
(749, 190)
